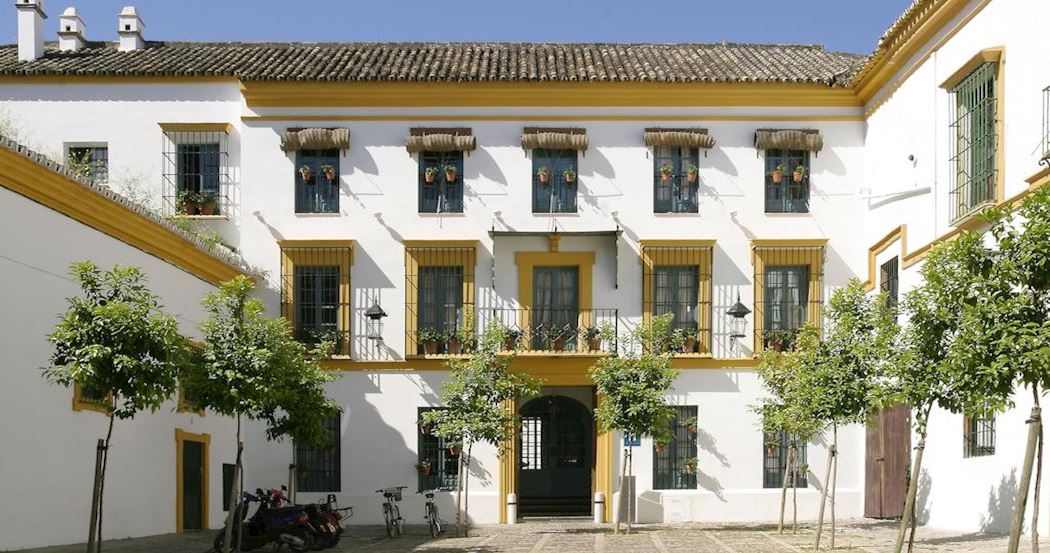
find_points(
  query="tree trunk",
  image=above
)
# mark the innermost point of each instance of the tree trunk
(908, 516)
(102, 479)
(231, 522)
(1021, 500)
(834, 477)
(459, 499)
(466, 492)
(1038, 476)
(794, 496)
(824, 496)
(623, 484)
(784, 491)
(630, 496)
(100, 448)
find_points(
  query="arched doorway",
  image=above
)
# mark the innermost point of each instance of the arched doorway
(555, 457)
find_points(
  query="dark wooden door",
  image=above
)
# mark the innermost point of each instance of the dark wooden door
(554, 457)
(192, 485)
(887, 463)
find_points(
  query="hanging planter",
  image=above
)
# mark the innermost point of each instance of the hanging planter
(777, 174)
(450, 173)
(424, 467)
(453, 450)
(329, 172)
(666, 172)
(307, 174)
(569, 175)
(800, 171)
(543, 175)
(690, 466)
(429, 174)
(691, 173)
(424, 429)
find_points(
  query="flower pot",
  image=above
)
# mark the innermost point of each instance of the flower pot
(688, 345)
(690, 469)
(569, 178)
(544, 178)
(666, 177)
(189, 208)
(209, 208)
(452, 450)
(594, 344)
(558, 344)
(330, 175)
(428, 177)
(691, 430)
(308, 176)
(659, 448)
(455, 346)
(510, 344)
(430, 347)
(426, 471)
(777, 177)
(691, 177)
(450, 176)
(797, 176)
(424, 429)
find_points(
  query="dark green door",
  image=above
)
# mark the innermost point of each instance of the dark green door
(192, 485)
(555, 455)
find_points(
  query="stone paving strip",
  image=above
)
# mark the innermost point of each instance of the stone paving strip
(579, 536)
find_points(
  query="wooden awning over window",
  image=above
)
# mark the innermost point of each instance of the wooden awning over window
(808, 140)
(315, 139)
(681, 138)
(450, 139)
(554, 138)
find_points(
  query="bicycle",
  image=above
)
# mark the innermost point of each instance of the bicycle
(431, 514)
(391, 511)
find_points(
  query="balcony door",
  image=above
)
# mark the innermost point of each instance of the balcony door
(555, 307)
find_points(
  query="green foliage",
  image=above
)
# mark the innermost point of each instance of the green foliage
(116, 338)
(253, 368)
(79, 165)
(476, 394)
(634, 387)
(430, 334)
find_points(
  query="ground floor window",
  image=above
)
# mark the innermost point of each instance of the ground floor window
(978, 436)
(674, 464)
(437, 464)
(776, 450)
(317, 469)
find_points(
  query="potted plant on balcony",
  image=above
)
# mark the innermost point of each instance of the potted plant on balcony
(424, 428)
(452, 449)
(543, 174)
(555, 337)
(690, 425)
(778, 339)
(450, 172)
(690, 465)
(307, 174)
(328, 171)
(424, 467)
(685, 340)
(186, 202)
(209, 203)
(777, 174)
(511, 338)
(429, 337)
(569, 174)
(429, 174)
(666, 172)
(691, 172)
(800, 171)
(597, 334)
(659, 445)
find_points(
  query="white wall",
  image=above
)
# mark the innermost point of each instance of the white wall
(49, 450)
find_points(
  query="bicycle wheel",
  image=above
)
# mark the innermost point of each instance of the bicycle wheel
(398, 521)
(435, 522)
(388, 517)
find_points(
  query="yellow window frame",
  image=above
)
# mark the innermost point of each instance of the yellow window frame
(310, 253)
(808, 253)
(437, 253)
(691, 253)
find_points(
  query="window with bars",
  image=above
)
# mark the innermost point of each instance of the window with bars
(787, 290)
(555, 307)
(227, 482)
(195, 170)
(675, 189)
(675, 291)
(315, 293)
(440, 304)
(789, 280)
(318, 469)
(92, 162)
(440, 471)
(677, 279)
(978, 436)
(789, 195)
(439, 299)
(555, 192)
(776, 451)
(888, 281)
(674, 464)
(437, 194)
(319, 193)
(974, 150)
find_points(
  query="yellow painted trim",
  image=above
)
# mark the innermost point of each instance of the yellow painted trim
(196, 127)
(183, 405)
(438, 253)
(552, 117)
(547, 365)
(604, 451)
(696, 253)
(81, 403)
(508, 473)
(583, 261)
(72, 199)
(988, 55)
(290, 257)
(205, 439)
(765, 252)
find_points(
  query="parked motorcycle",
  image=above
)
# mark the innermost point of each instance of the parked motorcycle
(325, 517)
(268, 525)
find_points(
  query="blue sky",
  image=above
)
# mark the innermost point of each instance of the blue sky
(845, 25)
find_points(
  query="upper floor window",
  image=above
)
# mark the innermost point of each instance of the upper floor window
(441, 182)
(677, 279)
(90, 162)
(784, 454)
(554, 181)
(319, 469)
(196, 169)
(975, 141)
(787, 181)
(978, 436)
(676, 185)
(315, 291)
(888, 281)
(317, 181)
(788, 290)
(439, 303)
(555, 308)
(674, 463)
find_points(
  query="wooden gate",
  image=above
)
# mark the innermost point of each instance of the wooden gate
(887, 463)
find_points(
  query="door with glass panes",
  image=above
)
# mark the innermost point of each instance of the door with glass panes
(555, 307)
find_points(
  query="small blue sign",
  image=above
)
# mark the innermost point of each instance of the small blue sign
(632, 441)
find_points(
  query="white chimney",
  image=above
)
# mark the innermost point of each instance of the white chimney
(130, 28)
(30, 29)
(71, 31)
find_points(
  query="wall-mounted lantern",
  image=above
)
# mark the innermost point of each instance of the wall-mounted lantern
(738, 319)
(374, 324)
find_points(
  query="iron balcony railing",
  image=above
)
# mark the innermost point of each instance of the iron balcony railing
(557, 330)
(787, 196)
(675, 195)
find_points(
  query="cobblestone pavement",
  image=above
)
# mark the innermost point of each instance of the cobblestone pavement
(578, 536)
